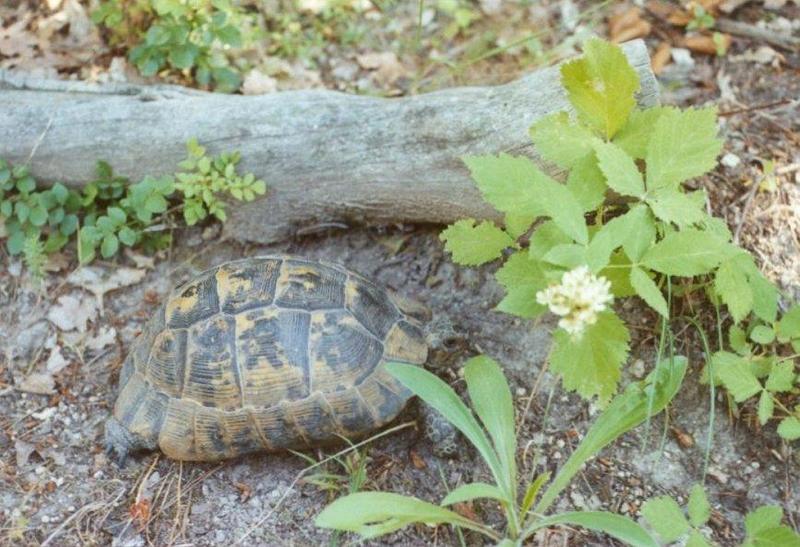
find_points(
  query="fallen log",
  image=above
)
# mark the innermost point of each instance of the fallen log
(329, 158)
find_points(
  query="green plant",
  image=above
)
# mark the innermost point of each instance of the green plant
(763, 526)
(30, 214)
(350, 479)
(179, 35)
(572, 237)
(204, 179)
(701, 19)
(113, 212)
(372, 514)
(762, 365)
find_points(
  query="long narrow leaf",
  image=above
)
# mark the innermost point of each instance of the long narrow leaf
(617, 526)
(372, 514)
(475, 490)
(532, 492)
(440, 396)
(491, 399)
(625, 412)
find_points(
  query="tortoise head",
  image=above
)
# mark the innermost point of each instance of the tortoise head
(447, 342)
(120, 441)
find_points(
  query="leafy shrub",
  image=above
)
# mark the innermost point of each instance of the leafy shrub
(763, 526)
(113, 212)
(652, 232)
(188, 35)
(372, 514)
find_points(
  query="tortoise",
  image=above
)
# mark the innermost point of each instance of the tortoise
(266, 354)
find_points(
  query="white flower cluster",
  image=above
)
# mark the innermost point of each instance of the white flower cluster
(578, 299)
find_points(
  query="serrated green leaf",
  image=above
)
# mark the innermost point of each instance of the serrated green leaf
(789, 428)
(698, 507)
(607, 239)
(546, 236)
(736, 375)
(619, 169)
(765, 296)
(635, 134)
(781, 377)
(763, 518)
(517, 225)
(618, 274)
(514, 185)
(561, 140)
(780, 536)
(732, 286)
(762, 334)
(522, 278)
(568, 256)
(587, 183)
(683, 145)
(601, 86)
(561, 206)
(687, 253)
(737, 338)
(641, 232)
(789, 325)
(665, 517)
(591, 364)
(508, 183)
(648, 291)
(766, 406)
(696, 539)
(672, 205)
(472, 244)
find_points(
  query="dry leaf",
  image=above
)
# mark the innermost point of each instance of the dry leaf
(706, 44)
(627, 25)
(38, 383)
(56, 362)
(661, 57)
(417, 460)
(105, 337)
(99, 281)
(72, 312)
(16, 41)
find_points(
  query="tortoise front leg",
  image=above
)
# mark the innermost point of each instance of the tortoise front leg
(445, 439)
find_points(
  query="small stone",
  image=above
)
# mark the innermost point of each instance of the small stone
(682, 57)
(258, 83)
(730, 160)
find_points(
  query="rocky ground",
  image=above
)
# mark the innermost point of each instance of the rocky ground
(63, 340)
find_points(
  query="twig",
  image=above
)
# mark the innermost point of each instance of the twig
(757, 107)
(756, 33)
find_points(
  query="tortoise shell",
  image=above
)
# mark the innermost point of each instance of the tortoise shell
(266, 354)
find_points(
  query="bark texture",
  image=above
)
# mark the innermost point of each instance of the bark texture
(329, 158)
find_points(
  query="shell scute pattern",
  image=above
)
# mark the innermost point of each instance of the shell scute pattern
(271, 352)
(265, 354)
(193, 301)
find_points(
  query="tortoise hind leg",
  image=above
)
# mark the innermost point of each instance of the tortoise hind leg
(118, 441)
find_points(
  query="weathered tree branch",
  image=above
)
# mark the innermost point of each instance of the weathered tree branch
(328, 157)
